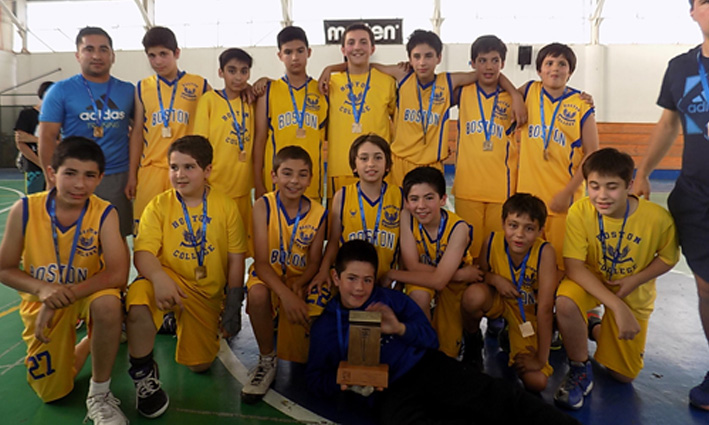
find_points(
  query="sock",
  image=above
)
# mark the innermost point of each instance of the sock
(139, 366)
(99, 387)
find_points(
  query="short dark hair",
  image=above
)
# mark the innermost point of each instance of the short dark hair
(160, 37)
(92, 31)
(525, 203)
(292, 33)
(429, 175)
(424, 37)
(43, 89)
(292, 152)
(80, 148)
(691, 5)
(235, 53)
(609, 162)
(376, 140)
(486, 44)
(555, 50)
(198, 147)
(356, 27)
(356, 250)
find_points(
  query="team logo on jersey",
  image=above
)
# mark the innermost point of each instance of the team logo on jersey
(312, 102)
(306, 233)
(390, 216)
(86, 245)
(569, 114)
(439, 97)
(189, 91)
(353, 212)
(695, 107)
(192, 240)
(501, 111)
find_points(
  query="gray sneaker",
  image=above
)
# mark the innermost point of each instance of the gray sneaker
(260, 380)
(103, 410)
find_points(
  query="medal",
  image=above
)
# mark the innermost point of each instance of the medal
(357, 111)
(165, 113)
(166, 132)
(298, 114)
(239, 129)
(200, 272)
(526, 329)
(546, 155)
(242, 156)
(286, 252)
(300, 133)
(98, 132)
(487, 145)
(425, 115)
(356, 128)
(98, 114)
(487, 125)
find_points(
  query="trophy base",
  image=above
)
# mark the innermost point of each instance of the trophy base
(375, 376)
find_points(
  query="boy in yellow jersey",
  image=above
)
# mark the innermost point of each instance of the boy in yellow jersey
(189, 252)
(434, 251)
(520, 282)
(167, 101)
(487, 152)
(361, 100)
(560, 133)
(289, 230)
(227, 121)
(615, 247)
(368, 210)
(71, 280)
(292, 112)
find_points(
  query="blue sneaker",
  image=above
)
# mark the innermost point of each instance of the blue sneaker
(577, 384)
(699, 395)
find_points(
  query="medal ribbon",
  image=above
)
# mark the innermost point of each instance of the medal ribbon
(201, 251)
(441, 226)
(425, 120)
(55, 236)
(282, 254)
(518, 282)
(299, 115)
(487, 126)
(547, 137)
(616, 254)
(165, 114)
(239, 129)
(357, 112)
(379, 214)
(99, 116)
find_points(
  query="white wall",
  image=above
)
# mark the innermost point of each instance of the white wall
(623, 79)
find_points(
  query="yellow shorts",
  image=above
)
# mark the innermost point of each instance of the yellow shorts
(447, 319)
(622, 356)
(197, 323)
(243, 204)
(292, 340)
(509, 309)
(50, 367)
(401, 166)
(485, 217)
(554, 232)
(152, 181)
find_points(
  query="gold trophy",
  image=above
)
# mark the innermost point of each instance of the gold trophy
(362, 366)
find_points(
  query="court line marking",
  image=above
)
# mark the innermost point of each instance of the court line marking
(274, 399)
(8, 311)
(19, 193)
(10, 349)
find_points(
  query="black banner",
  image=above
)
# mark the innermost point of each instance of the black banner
(386, 31)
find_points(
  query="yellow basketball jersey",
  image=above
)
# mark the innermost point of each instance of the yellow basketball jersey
(649, 231)
(232, 172)
(164, 233)
(39, 258)
(283, 125)
(431, 249)
(280, 230)
(379, 106)
(546, 177)
(417, 139)
(386, 241)
(190, 88)
(486, 157)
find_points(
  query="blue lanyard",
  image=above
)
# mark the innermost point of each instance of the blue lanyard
(357, 112)
(99, 116)
(439, 236)
(165, 114)
(201, 250)
(55, 236)
(616, 254)
(518, 282)
(239, 129)
(341, 335)
(282, 254)
(374, 238)
(425, 119)
(300, 115)
(487, 127)
(546, 137)
(703, 76)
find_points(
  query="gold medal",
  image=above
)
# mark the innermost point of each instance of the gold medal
(200, 272)
(356, 128)
(526, 329)
(166, 132)
(300, 133)
(98, 132)
(487, 145)
(546, 155)
(242, 156)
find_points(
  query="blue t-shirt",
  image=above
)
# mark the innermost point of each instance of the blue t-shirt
(69, 103)
(682, 92)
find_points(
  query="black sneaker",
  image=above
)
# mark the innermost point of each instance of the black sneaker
(503, 339)
(473, 350)
(169, 324)
(150, 399)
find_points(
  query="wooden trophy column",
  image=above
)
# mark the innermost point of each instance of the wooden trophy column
(362, 366)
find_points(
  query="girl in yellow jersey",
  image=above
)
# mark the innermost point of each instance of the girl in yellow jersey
(368, 210)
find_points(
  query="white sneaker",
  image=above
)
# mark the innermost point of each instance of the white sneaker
(259, 380)
(103, 410)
